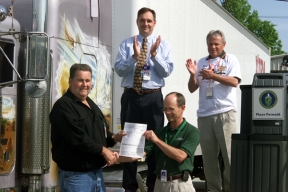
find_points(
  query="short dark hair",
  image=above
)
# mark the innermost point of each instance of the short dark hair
(180, 98)
(214, 33)
(144, 10)
(81, 67)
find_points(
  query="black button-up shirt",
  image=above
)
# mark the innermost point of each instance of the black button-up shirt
(78, 134)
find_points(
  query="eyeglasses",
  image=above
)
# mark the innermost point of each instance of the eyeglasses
(171, 110)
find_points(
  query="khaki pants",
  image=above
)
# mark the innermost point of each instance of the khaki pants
(215, 135)
(177, 185)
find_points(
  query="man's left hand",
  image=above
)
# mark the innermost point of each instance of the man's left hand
(150, 135)
(155, 46)
(207, 73)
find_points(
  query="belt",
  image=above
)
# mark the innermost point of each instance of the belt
(142, 91)
(171, 178)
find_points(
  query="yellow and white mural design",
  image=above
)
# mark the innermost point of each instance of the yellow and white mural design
(7, 145)
(77, 46)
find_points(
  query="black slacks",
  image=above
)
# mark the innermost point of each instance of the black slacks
(145, 109)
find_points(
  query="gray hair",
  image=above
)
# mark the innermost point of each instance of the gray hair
(214, 33)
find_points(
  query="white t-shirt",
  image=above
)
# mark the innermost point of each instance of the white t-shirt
(224, 97)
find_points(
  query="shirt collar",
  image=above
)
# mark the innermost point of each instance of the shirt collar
(73, 97)
(170, 129)
(149, 38)
(221, 56)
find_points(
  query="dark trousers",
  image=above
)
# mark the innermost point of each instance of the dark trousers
(146, 109)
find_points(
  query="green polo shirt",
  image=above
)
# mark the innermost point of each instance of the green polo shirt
(187, 140)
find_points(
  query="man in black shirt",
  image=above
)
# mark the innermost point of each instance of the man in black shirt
(79, 136)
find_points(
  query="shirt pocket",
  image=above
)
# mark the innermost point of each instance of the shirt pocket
(83, 120)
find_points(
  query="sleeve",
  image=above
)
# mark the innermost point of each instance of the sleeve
(124, 62)
(191, 141)
(149, 148)
(149, 145)
(68, 128)
(110, 141)
(234, 68)
(163, 60)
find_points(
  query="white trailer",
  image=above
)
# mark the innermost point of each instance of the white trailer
(185, 25)
(276, 64)
(90, 31)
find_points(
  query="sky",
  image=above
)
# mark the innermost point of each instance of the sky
(275, 9)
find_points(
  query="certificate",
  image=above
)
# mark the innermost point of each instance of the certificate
(132, 144)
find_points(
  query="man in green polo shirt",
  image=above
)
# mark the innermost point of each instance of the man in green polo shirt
(174, 146)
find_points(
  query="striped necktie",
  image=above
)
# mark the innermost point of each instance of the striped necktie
(137, 84)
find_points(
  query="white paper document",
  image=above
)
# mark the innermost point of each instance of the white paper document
(132, 144)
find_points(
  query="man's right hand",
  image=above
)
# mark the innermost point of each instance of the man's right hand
(110, 156)
(191, 66)
(136, 48)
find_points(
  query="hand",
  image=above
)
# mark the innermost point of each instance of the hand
(116, 155)
(155, 46)
(207, 73)
(118, 136)
(110, 156)
(136, 48)
(191, 66)
(150, 135)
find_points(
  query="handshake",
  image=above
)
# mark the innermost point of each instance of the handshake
(110, 156)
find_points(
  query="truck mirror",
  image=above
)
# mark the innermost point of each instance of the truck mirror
(3, 13)
(38, 56)
(35, 88)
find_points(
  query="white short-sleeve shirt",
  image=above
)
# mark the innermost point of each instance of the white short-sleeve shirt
(224, 97)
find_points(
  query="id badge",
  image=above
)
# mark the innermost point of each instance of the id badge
(163, 175)
(209, 92)
(146, 72)
(146, 76)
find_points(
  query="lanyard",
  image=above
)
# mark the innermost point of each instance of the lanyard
(182, 125)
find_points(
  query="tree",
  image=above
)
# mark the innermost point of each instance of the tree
(239, 9)
(264, 30)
